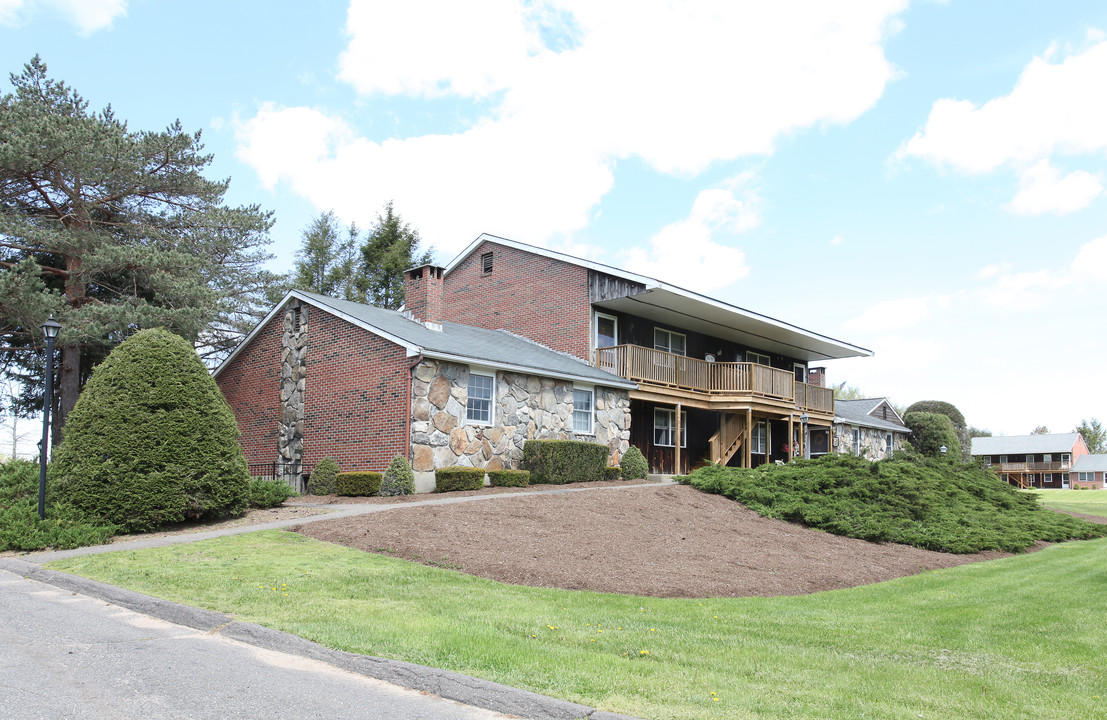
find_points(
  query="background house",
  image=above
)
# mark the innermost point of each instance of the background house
(1031, 460)
(715, 382)
(868, 428)
(1089, 471)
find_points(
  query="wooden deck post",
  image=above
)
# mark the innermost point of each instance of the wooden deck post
(676, 443)
(749, 437)
(791, 436)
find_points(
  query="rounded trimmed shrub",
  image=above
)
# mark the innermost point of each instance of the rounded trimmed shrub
(321, 480)
(930, 431)
(613, 472)
(151, 440)
(358, 483)
(509, 478)
(634, 464)
(450, 479)
(399, 479)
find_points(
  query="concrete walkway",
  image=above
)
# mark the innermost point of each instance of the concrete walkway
(451, 686)
(337, 510)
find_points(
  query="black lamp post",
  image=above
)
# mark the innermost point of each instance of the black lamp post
(50, 330)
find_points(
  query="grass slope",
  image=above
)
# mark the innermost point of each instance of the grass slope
(1088, 502)
(1018, 637)
(928, 504)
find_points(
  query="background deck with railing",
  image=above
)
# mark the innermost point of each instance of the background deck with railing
(1031, 467)
(655, 367)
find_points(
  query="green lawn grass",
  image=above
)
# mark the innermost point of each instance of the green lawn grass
(1017, 637)
(1089, 502)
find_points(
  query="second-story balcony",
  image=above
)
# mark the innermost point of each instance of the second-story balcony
(1031, 467)
(721, 381)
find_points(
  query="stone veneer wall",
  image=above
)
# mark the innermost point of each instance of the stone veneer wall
(872, 441)
(526, 407)
(290, 433)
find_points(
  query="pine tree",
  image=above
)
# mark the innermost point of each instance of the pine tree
(112, 230)
(326, 263)
(389, 250)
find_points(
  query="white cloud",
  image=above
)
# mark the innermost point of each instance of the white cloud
(688, 253)
(891, 315)
(88, 15)
(990, 271)
(1091, 260)
(452, 187)
(1020, 291)
(435, 47)
(1054, 109)
(569, 88)
(1042, 190)
(10, 11)
(837, 240)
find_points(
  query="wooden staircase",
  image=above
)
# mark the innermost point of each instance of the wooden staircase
(728, 441)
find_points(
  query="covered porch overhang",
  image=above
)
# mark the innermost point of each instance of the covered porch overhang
(681, 308)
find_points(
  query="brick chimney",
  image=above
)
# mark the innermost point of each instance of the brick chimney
(816, 376)
(423, 294)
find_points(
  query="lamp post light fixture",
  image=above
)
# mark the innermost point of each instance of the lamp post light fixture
(50, 330)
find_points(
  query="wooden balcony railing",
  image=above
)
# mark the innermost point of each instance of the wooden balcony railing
(655, 367)
(1031, 467)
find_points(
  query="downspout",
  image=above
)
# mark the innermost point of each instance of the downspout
(407, 420)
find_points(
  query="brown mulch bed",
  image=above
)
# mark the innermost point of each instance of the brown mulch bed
(664, 541)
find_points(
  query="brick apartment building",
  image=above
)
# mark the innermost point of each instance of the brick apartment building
(510, 342)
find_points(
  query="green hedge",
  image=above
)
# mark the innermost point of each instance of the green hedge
(613, 473)
(358, 484)
(557, 462)
(509, 478)
(458, 478)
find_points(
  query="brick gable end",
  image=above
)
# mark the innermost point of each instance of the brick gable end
(540, 298)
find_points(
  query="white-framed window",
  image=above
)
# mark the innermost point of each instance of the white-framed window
(664, 427)
(607, 330)
(1047, 458)
(987, 461)
(800, 371)
(1066, 458)
(482, 396)
(669, 341)
(756, 357)
(1002, 459)
(856, 443)
(583, 410)
(759, 439)
(889, 445)
(1086, 476)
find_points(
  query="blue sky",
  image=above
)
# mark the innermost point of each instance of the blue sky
(923, 179)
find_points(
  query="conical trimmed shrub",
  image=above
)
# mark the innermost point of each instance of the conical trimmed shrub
(151, 440)
(634, 464)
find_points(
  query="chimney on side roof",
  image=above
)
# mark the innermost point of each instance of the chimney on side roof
(816, 376)
(423, 293)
